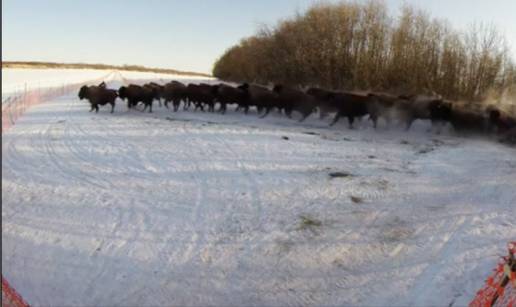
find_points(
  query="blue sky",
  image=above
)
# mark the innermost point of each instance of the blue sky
(185, 34)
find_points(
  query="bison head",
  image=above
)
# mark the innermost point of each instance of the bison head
(83, 92)
(122, 92)
(277, 88)
(440, 110)
(494, 115)
(244, 86)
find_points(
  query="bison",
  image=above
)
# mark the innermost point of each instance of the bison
(226, 94)
(290, 99)
(384, 106)
(324, 101)
(413, 107)
(158, 91)
(350, 105)
(98, 95)
(201, 94)
(467, 120)
(174, 91)
(135, 94)
(260, 97)
(502, 121)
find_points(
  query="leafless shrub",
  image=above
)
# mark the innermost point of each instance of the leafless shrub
(357, 46)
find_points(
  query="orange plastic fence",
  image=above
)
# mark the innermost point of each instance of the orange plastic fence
(500, 287)
(10, 298)
(12, 108)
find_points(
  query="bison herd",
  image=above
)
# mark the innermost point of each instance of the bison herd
(404, 108)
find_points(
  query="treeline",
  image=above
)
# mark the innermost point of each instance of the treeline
(35, 65)
(355, 46)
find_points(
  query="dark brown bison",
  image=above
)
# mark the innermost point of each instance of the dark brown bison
(226, 94)
(175, 92)
(98, 95)
(412, 108)
(290, 99)
(158, 91)
(509, 137)
(258, 96)
(350, 105)
(500, 120)
(384, 106)
(324, 101)
(201, 94)
(468, 121)
(135, 94)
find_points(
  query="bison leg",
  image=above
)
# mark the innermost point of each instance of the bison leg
(351, 119)
(374, 119)
(409, 123)
(91, 107)
(304, 117)
(112, 107)
(388, 120)
(267, 110)
(222, 108)
(437, 125)
(96, 108)
(335, 119)
(150, 107)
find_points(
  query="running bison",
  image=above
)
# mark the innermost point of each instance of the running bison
(135, 94)
(174, 92)
(290, 99)
(98, 95)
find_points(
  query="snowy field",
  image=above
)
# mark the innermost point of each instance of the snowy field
(16, 80)
(200, 209)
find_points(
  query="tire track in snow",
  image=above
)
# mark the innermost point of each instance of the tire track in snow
(252, 187)
(424, 280)
(50, 148)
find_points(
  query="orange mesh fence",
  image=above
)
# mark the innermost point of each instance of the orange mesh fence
(12, 108)
(10, 298)
(500, 287)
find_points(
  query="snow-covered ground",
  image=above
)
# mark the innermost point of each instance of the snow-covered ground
(200, 209)
(15, 80)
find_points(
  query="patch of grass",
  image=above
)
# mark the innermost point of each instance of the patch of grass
(308, 223)
(311, 133)
(340, 174)
(356, 199)
(425, 150)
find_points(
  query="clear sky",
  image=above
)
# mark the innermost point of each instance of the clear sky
(180, 34)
